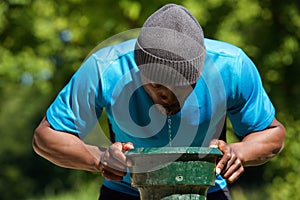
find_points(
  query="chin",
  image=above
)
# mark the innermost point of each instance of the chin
(173, 112)
(161, 109)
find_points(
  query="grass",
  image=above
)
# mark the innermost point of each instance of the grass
(90, 191)
(247, 193)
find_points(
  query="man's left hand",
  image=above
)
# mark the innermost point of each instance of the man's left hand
(229, 166)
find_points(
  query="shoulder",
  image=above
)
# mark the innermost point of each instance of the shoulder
(233, 66)
(227, 57)
(112, 61)
(114, 51)
(220, 48)
(113, 66)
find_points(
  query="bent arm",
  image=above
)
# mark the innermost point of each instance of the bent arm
(64, 149)
(258, 147)
(255, 149)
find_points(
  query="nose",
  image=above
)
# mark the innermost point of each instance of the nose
(166, 96)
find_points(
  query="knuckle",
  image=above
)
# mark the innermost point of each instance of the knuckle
(230, 180)
(222, 142)
(242, 169)
(104, 159)
(112, 151)
(233, 156)
(227, 155)
(239, 162)
(111, 148)
(115, 148)
(221, 164)
(106, 155)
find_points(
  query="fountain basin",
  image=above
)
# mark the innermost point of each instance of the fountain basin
(173, 172)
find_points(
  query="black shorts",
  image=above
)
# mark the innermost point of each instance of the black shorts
(109, 194)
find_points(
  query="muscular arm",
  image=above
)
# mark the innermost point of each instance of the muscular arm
(255, 149)
(67, 150)
(258, 147)
(64, 149)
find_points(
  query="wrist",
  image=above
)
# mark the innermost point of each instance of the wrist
(237, 147)
(96, 153)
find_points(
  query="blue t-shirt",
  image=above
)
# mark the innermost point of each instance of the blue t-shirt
(230, 85)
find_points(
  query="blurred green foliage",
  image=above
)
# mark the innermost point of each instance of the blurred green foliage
(43, 42)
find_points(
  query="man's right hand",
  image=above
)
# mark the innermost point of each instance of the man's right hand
(113, 162)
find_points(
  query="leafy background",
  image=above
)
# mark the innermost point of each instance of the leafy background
(43, 42)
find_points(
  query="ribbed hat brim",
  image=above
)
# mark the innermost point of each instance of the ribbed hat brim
(169, 72)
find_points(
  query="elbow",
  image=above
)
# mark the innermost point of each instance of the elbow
(277, 149)
(39, 140)
(36, 142)
(281, 133)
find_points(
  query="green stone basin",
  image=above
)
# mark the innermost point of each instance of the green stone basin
(173, 172)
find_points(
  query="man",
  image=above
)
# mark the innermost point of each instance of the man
(168, 87)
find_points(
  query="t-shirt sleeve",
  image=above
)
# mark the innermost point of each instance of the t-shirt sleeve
(251, 109)
(79, 104)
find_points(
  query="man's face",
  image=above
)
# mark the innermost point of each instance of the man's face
(168, 100)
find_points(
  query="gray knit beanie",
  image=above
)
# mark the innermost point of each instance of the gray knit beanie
(170, 47)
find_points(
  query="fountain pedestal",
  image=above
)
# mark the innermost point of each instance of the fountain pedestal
(173, 173)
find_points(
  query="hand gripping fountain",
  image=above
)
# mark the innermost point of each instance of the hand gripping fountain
(173, 173)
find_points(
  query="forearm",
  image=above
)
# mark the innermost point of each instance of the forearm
(257, 148)
(65, 150)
